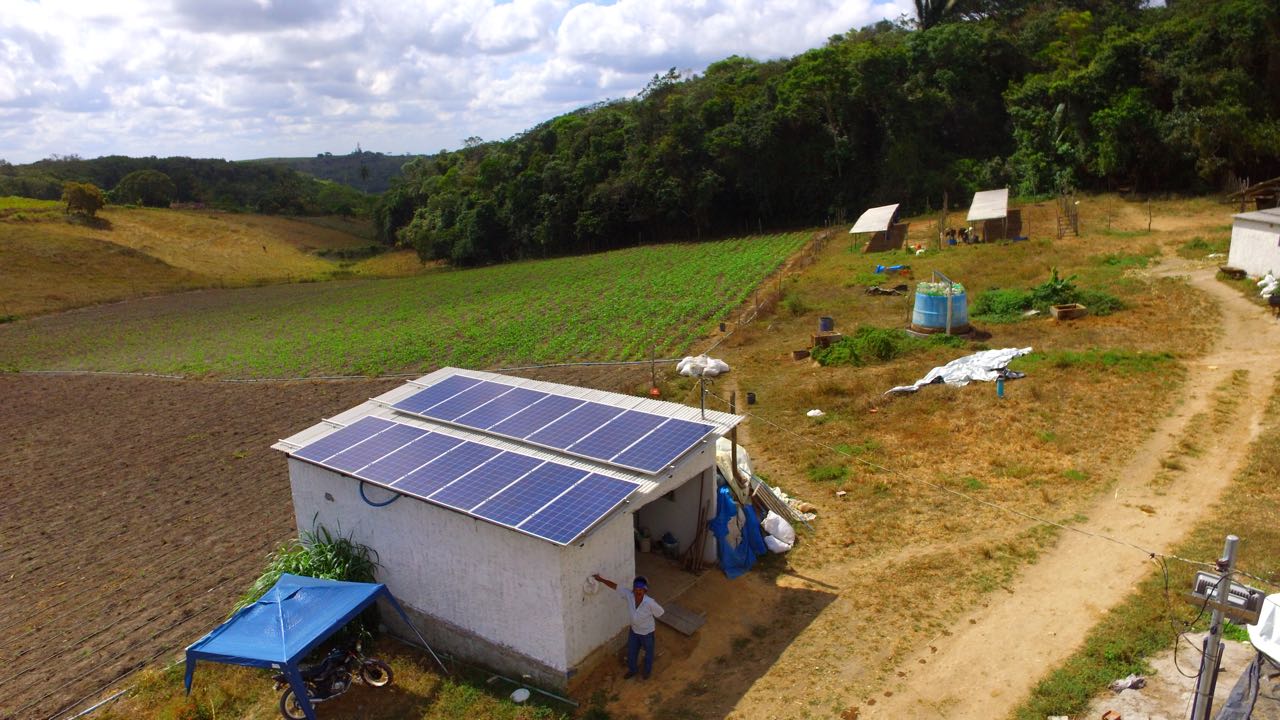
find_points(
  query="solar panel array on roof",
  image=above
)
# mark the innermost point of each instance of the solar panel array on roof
(630, 439)
(546, 499)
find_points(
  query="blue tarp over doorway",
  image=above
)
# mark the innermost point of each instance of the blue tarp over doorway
(289, 621)
(737, 560)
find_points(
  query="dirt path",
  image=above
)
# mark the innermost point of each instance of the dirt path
(990, 659)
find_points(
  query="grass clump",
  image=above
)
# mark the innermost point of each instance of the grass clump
(828, 473)
(315, 553)
(795, 305)
(872, 344)
(1124, 362)
(1000, 305)
(1198, 247)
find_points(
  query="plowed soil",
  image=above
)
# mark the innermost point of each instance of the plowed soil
(135, 511)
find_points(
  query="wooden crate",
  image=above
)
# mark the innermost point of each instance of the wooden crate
(825, 339)
(1068, 312)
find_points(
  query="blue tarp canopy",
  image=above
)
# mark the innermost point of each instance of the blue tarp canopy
(289, 621)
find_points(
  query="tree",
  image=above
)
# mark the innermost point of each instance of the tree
(149, 188)
(931, 12)
(82, 198)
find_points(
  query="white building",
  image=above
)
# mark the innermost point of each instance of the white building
(493, 564)
(1255, 242)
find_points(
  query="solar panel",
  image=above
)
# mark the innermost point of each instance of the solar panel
(409, 458)
(627, 438)
(437, 393)
(578, 509)
(575, 425)
(444, 469)
(500, 408)
(466, 401)
(342, 439)
(384, 443)
(617, 435)
(486, 480)
(513, 505)
(534, 417)
(661, 447)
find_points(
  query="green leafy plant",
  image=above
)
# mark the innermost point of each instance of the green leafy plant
(315, 553)
(873, 344)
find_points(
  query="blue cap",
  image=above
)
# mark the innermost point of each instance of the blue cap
(639, 583)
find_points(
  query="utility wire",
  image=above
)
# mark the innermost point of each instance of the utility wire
(993, 505)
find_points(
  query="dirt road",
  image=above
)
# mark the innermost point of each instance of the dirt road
(992, 658)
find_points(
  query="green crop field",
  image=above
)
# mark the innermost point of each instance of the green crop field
(609, 306)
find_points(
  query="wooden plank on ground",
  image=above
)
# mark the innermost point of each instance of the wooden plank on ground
(681, 619)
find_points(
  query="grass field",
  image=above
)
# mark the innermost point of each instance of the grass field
(617, 305)
(48, 263)
(1149, 620)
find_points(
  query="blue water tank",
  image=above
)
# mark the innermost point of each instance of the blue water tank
(930, 313)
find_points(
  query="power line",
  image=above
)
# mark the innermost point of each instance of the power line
(980, 501)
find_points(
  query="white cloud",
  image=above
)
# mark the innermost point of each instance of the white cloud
(248, 78)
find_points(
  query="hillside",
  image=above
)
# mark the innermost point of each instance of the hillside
(1036, 96)
(369, 172)
(263, 188)
(48, 263)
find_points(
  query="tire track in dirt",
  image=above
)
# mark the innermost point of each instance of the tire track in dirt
(990, 659)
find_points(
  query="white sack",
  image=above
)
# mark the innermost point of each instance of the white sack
(778, 528)
(775, 545)
(702, 366)
(985, 366)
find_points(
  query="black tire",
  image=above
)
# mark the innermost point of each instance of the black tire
(375, 673)
(289, 706)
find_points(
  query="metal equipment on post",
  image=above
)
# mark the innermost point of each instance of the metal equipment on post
(1213, 643)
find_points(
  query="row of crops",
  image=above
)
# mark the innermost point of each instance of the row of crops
(611, 306)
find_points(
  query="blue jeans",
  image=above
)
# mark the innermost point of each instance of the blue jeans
(634, 643)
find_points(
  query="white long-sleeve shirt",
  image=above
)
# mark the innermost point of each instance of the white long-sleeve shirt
(642, 615)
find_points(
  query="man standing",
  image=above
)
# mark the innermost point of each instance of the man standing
(643, 611)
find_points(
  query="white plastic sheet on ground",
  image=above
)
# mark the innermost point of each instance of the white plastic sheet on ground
(702, 366)
(984, 366)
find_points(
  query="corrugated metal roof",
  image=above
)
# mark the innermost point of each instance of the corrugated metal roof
(876, 219)
(1270, 216)
(649, 484)
(989, 205)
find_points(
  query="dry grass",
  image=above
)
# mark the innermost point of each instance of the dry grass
(1146, 623)
(49, 264)
(908, 559)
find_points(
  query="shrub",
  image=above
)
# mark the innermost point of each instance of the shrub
(868, 344)
(999, 305)
(319, 554)
(795, 304)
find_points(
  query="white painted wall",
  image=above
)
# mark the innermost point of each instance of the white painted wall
(592, 620)
(1255, 247)
(502, 585)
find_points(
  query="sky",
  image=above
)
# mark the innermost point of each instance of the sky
(241, 79)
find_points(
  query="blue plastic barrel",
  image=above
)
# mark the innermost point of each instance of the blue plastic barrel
(826, 324)
(930, 313)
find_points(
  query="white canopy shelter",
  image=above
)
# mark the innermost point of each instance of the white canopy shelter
(989, 205)
(877, 219)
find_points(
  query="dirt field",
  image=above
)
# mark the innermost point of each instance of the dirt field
(135, 512)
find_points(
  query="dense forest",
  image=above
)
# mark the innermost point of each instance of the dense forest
(1037, 96)
(264, 188)
(369, 172)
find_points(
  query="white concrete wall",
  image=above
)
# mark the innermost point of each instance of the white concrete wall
(1255, 247)
(679, 514)
(593, 620)
(499, 584)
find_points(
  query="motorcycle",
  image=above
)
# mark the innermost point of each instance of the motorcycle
(332, 677)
